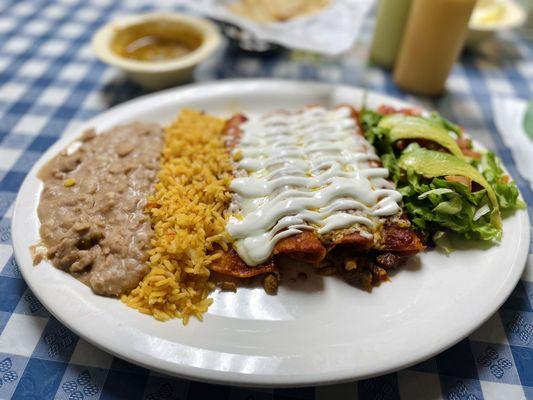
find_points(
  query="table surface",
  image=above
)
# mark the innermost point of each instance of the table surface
(50, 81)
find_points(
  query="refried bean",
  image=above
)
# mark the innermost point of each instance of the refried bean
(91, 209)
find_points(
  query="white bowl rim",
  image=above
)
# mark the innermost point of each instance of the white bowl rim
(102, 40)
(515, 16)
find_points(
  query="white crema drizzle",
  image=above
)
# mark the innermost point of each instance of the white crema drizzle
(304, 171)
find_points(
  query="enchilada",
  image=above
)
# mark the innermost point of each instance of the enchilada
(309, 186)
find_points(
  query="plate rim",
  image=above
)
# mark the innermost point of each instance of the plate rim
(237, 378)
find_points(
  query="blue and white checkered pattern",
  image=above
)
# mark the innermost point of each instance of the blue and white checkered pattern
(50, 81)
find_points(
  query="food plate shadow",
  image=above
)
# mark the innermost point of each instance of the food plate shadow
(457, 244)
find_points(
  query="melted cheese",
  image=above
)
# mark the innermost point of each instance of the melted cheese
(304, 171)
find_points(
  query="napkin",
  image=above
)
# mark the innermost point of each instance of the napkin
(514, 119)
(332, 30)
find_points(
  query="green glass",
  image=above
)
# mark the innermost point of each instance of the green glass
(390, 23)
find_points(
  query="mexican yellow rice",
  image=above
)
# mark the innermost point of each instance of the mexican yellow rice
(187, 213)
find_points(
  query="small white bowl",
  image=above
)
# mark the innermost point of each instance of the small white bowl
(160, 73)
(514, 17)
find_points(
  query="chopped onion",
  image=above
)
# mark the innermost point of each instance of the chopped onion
(435, 191)
(481, 211)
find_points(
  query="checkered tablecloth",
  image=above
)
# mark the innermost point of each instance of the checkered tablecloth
(50, 81)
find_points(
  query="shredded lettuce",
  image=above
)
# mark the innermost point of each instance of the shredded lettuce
(506, 191)
(434, 191)
(434, 164)
(484, 209)
(436, 206)
(451, 210)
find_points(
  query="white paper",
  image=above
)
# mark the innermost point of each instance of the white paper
(332, 30)
(509, 116)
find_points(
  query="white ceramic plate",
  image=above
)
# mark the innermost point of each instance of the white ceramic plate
(313, 332)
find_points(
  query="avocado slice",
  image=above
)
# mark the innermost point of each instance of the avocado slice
(411, 127)
(432, 164)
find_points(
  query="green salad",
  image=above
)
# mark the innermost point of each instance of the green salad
(446, 185)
